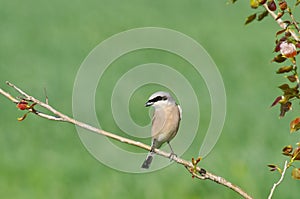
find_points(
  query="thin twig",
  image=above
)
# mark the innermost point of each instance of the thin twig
(279, 181)
(58, 116)
(218, 179)
(294, 22)
(7, 95)
(281, 23)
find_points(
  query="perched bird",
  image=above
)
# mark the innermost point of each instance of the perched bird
(165, 122)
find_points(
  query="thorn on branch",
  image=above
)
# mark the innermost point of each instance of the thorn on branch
(45, 91)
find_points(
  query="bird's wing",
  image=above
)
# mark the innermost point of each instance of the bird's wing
(180, 111)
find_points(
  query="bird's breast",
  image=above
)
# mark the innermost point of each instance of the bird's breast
(165, 123)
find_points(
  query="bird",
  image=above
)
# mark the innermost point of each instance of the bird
(165, 122)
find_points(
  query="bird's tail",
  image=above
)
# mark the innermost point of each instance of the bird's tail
(147, 162)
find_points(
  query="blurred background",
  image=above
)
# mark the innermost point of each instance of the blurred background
(43, 44)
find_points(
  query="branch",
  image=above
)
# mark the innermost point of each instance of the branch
(196, 171)
(280, 22)
(279, 181)
(283, 25)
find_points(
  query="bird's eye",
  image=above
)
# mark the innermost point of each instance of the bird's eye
(164, 98)
(158, 98)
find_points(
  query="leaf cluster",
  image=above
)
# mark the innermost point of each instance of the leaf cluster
(272, 5)
(294, 155)
(287, 47)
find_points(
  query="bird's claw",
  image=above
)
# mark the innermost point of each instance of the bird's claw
(172, 156)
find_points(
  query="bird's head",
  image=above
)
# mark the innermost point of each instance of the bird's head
(160, 99)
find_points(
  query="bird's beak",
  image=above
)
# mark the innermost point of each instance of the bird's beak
(148, 104)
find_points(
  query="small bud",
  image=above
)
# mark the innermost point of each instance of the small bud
(287, 34)
(277, 47)
(282, 39)
(279, 58)
(292, 78)
(295, 125)
(22, 105)
(262, 1)
(279, 15)
(283, 5)
(272, 167)
(272, 5)
(254, 4)
(287, 149)
(285, 108)
(250, 18)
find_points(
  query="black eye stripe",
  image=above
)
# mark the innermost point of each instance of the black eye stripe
(164, 98)
(158, 98)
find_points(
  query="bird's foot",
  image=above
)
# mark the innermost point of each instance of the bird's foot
(172, 156)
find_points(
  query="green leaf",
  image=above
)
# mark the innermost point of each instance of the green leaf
(296, 173)
(295, 125)
(250, 18)
(272, 167)
(292, 78)
(23, 117)
(262, 15)
(287, 150)
(280, 32)
(285, 69)
(254, 4)
(279, 15)
(284, 87)
(279, 58)
(277, 100)
(289, 92)
(285, 108)
(296, 154)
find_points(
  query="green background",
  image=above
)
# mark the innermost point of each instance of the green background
(43, 44)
